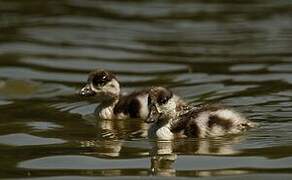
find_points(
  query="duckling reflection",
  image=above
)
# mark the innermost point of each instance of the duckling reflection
(104, 148)
(164, 153)
(107, 142)
(163, 158)
(111, 136)
(114, 105)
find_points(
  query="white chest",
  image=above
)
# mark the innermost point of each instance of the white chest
(160, 132)
(106, 113)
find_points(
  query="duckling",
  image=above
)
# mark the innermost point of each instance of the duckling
(170, 121)
(113, 104)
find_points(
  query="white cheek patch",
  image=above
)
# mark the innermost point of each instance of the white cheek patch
(168, 109)
(113, 87)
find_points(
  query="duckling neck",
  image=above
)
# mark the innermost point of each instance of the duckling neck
(161, 129)
(106, 108)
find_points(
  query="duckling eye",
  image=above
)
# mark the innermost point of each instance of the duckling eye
(162, 100)
(99, 80)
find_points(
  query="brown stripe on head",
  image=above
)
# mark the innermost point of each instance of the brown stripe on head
(100, 77)
(159, 95)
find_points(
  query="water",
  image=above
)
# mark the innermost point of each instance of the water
(234, 52)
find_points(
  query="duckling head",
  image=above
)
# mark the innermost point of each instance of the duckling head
(161, 104)
(101, 83)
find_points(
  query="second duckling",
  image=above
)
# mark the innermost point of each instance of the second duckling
(170, 121)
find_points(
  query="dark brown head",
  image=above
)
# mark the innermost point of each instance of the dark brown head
(161, 104)
(101, 83)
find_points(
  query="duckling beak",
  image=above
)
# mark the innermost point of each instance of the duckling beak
(87, 91)
(153, 115)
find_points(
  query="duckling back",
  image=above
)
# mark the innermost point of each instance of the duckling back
(212, 121)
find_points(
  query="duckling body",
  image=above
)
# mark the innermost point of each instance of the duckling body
(210, 121)
(202, 121)
(133, 105)
(113, 104)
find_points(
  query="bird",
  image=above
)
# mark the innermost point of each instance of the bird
(104, 86)
(170, 120)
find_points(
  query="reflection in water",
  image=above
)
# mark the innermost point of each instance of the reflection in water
(164, 153)
(111, 135)
(109, 145)
(163, 158)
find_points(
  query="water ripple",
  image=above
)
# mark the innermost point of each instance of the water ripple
(21, 139)
(236, 53)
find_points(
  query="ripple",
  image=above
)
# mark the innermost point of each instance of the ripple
(210, 162)
(235, 88)
(43, 126)
(17, 88)
(84, 177)
(235, 52)
(80, 162)
(285, 93)
(281, 68)
(82, 108)
(25, 73)
(263, 78)
(247, 67)
(271, 132)
(196, 78)
(3, 102)
(198, 90)
(129, 67)
(85, 52)
(112, 34)
(25, 89)
(21, 139)
(243, 101)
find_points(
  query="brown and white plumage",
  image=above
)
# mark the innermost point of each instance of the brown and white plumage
(171, 120)
(105, 87)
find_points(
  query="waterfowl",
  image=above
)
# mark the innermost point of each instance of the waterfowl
(170, 121)
(105, 86)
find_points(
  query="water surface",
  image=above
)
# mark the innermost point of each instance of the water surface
(234, 52)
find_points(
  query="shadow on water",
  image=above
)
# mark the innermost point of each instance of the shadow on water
(234, 52)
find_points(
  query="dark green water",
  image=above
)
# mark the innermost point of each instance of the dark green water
(234, 52)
